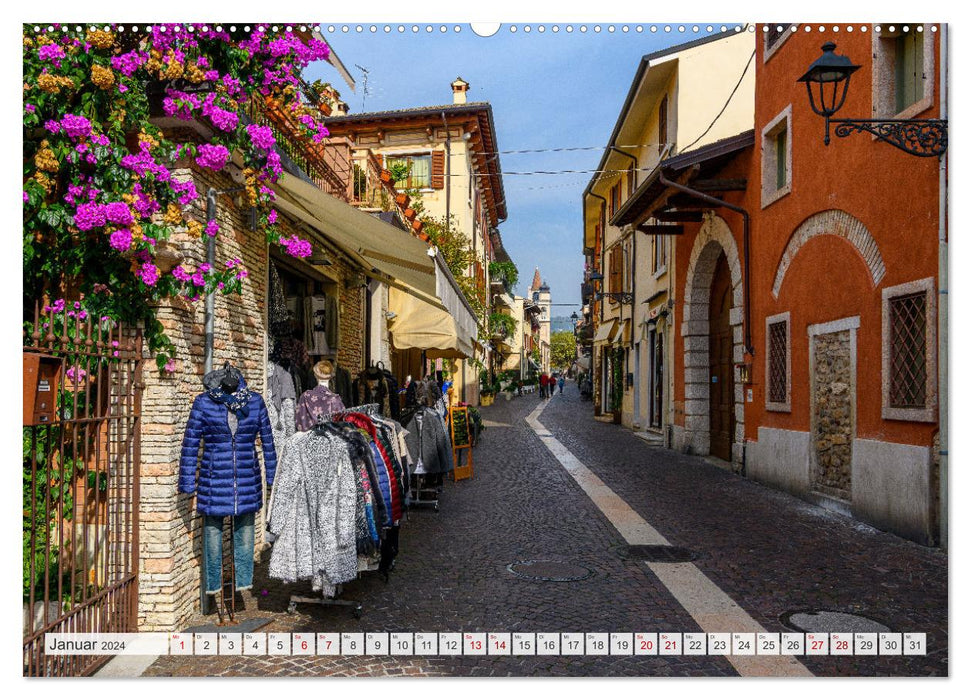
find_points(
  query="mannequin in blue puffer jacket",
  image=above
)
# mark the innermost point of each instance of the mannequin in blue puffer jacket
(226, 419)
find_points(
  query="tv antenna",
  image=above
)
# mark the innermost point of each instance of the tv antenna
(364, 92)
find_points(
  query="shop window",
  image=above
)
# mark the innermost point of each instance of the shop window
(778, 363)
(903, 70)
(774, 36)
(908, 360)
(777, 157)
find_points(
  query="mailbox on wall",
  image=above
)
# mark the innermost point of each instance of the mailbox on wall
(42, 380)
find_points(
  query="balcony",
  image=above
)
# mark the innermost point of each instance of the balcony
(327, 164)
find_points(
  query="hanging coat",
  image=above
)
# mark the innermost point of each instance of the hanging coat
(228, 479)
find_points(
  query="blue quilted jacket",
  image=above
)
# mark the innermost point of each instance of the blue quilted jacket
(229, 480)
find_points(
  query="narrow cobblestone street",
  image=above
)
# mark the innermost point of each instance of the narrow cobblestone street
(768, 551)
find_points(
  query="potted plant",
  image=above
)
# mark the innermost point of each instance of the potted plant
(385, 176)
(402, 200)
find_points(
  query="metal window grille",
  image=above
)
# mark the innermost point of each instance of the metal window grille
(908, 351)
(778, 349)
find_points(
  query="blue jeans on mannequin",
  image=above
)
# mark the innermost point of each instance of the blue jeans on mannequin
(212, 551)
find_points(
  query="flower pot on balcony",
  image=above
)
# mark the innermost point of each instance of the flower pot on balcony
(486, 399)
(402, 199)
(385, 176)
(410, 213)
(417, 225)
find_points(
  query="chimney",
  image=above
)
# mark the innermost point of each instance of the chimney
(459, 88)
(340, 108)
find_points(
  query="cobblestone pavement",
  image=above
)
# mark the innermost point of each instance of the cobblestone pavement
(770, 552)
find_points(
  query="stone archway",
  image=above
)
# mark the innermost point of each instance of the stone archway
(832, 222)
(714, 238)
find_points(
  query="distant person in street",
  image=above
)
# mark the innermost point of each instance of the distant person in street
(561, 383)
(543, 385)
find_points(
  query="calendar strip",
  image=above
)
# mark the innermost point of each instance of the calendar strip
(491, 644)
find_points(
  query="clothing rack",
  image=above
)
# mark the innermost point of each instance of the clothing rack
(357, 608)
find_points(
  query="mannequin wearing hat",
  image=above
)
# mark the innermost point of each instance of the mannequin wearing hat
(320, 399)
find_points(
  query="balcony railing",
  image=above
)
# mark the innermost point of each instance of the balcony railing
(327, 164)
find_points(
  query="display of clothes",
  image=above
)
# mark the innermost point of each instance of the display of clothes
(225, 420)
(377, 385)
(427, 440)
(321, 324)
(281, 406)
(291, 354)
(318, 401)
(338, 499)
(344, 386)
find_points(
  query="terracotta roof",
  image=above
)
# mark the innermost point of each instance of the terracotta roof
(537, 280)
(407, 112)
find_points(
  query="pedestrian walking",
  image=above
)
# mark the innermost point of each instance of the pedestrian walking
(561, 383)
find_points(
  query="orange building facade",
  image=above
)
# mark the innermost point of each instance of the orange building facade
(813, 366)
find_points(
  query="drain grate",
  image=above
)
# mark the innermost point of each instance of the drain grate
(658, 553)
(830, 621)
(556, 571)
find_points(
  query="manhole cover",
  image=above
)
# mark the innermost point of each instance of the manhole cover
(558, 571)
(658, 553)
(830, 621)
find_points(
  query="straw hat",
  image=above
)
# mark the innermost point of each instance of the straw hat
(324, 370)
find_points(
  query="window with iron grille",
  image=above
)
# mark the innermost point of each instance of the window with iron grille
(908, 351)
(778, 347)
(778, 392)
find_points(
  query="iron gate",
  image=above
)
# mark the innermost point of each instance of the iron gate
(82, 407)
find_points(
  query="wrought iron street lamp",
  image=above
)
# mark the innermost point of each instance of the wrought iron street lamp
(622, 297)
(827, 82)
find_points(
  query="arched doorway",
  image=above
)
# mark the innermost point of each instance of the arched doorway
(720, 349)
(713, 296)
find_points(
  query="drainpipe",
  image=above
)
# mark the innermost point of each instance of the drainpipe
(211, 295)
(448, 179)
(210, 308)
(745, 246)
(942, 308)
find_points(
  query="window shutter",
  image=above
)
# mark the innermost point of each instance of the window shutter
(438, 169)
(616, 265)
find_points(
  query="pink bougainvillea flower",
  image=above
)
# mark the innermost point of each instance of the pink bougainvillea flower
(120, 240)
(180, 274)
(170, 365)
(26, 197)
(118, 213)
(212, 228)
(90, 215)
(271, 217)
(52, 126)
(213, 156)
(51, 52)
(77, 127)
(149, 274)
(261, 136)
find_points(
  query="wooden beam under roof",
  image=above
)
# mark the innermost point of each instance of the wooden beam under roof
(678, 216)
(661, 229)
(736, 184)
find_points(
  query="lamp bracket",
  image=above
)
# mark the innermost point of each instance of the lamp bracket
(919, 137)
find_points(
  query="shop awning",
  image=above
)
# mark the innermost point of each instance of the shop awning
(424, 325)
(386, 249)
(605, 332)
(583, 362)
(624, 334)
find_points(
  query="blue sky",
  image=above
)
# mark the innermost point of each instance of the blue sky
(547, 91)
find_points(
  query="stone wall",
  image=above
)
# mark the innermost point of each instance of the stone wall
(832, 414)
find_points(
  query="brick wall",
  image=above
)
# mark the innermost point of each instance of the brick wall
(170, 537)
